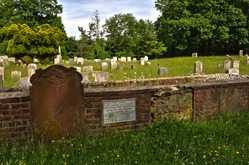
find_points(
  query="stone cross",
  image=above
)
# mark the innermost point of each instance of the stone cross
(198, 67)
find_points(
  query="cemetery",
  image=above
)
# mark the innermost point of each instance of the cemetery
(164, 84)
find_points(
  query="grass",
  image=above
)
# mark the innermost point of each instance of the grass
(224, 140)
(177, 66)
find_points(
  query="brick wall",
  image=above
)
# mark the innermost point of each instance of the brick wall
(212, 98)
(15, 115)
(93, 108)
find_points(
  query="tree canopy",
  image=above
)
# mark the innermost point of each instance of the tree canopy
(210, 26)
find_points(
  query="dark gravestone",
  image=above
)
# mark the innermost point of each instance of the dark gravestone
(56, 99)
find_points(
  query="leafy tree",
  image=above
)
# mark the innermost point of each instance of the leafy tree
(31, 12)
(211, 26)
(19, 40)
(128, 37)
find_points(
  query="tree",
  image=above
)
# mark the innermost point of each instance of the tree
(210, 26)
(19, 40)
(128, 37)
(31, 12)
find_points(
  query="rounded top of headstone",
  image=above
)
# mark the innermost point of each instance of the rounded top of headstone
(55, 74)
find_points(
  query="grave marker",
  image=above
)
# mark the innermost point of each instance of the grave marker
(227, 65)
(241, 52)
(162, 71)
(101, 76)
(16, 75)
(87, 69)
(236, 64)
(198, 67)
(104, 66)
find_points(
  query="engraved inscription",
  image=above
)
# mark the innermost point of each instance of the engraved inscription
(121, 110)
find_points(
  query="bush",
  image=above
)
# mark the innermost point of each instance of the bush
(27, 59)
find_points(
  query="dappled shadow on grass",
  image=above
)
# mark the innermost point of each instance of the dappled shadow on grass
(223, 140)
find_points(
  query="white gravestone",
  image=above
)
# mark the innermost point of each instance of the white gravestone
(233, 72)
(195, 54)
(31, 69)
(80, 61)
(58, 59)
(227, 65)
(128, 59)
(198, 67)
(163, 71)
(123, 59)
(97, 60)
(101, 77)
(114, 65)
(78, 69)
(146, 58)
(241, 52)
(2, 72)
(142, 61)
(119, 110)
(87, 69)
(16, 75)
(134, 59)
(247, 59)
(104, 66)
(236, 64)
(115, 59)
(35, 60)
(75, 59)
(12, 59)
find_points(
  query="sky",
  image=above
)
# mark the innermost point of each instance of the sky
(79, 12)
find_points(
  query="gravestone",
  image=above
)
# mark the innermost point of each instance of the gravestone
(146, 58)
(78, 69)
(236, 64)
(31, 69)
(233, 72)
(12, 59)
(1, 81)
(241, 52)
(58, 60)
(80, 61)
(24, 83)
(227, 65)
(35, 60)
(123, 59)
(85, 78)
(128, 59)
(247, 59)
(56, 100)
(198, 67)
(195, 54)
(75, 59)
(87, 69)
(142, 61)
(4, 60)
(101, 77)
(163, 71)
(115, 59)
(97, 60)
(16, 75)
(114, 65)
(104, 66)
(2, 72)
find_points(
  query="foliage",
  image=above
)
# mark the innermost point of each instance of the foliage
(31, 12)
(19, 40)
(220, 141)
(128, 37)
(211, 26)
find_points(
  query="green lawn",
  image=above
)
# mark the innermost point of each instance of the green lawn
(178, 66)
(224, 140)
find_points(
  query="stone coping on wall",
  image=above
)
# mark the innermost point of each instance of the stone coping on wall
(145, 82)
(217, 84)
(13, 93)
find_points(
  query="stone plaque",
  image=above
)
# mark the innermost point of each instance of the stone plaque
(121, 110)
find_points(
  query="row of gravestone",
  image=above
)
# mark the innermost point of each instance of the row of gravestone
(230, 66)
(241, 53)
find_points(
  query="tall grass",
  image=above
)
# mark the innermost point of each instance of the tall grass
(224, 140)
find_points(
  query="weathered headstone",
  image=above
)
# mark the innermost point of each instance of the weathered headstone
(198, 67)
(12, 59)
(4, 60)
(114, 65)
(16, 75)
(78, 69)
(104, 66)
(236, 64)
(58, 60)
(128, 59)
(2, 72)
(241, 52)
(233, 72)
(97, 60)
(162, 71)
(195, 54)
(247, 59)
(56, 100)
(24, 83)
(80, 61)
(134, 59)
(87, 69)
(227, 65)
(123, 59)
(85, 78)
(146, 58)
(75, 59)
(142, 61)
(101, 76)
(35, 60)
(115, 59)
(31, 69)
